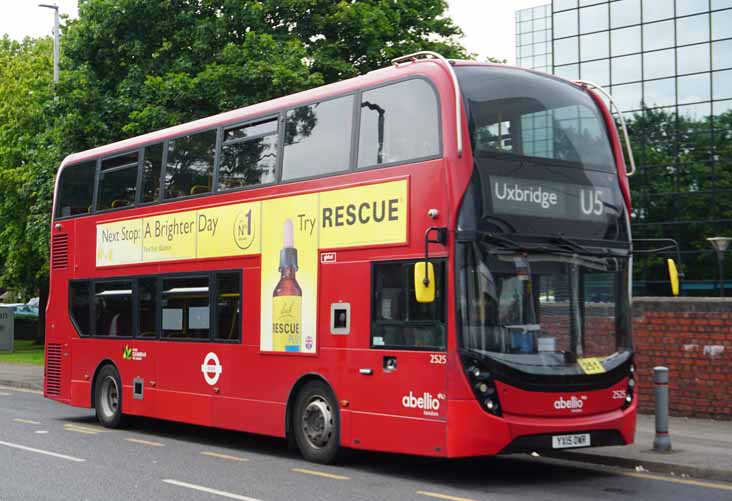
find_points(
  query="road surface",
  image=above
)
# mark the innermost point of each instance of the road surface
(54, 452)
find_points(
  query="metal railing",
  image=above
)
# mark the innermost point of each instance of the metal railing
(623, 127)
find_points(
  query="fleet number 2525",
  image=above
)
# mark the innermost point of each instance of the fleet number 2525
(438, 359)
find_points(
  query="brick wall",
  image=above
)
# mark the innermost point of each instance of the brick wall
(693, 338)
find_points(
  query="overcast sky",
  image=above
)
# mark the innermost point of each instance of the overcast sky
(489, 25)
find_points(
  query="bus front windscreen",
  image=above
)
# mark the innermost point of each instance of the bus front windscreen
(540, 312)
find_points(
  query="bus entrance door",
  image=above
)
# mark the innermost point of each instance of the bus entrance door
(402, 402)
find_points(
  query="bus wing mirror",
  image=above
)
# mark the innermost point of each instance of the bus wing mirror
(424, 282)
(673, 275)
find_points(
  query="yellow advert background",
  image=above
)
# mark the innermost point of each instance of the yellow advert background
(228, 230)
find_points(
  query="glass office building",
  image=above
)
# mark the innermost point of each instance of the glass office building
(668, 65)
(534, 38)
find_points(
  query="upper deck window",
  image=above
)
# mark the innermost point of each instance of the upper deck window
(75, 189)
(189, 169)
(249, 155)
(517, 113)
(117, 182)
(318, 138)
(151, 167)
(399, 123)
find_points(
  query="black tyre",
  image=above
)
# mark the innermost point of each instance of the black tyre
(316, 423)
(108, 397)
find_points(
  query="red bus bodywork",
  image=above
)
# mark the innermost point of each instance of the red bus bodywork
(379, 411)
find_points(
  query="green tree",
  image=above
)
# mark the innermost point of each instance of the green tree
(29, 153)
(683, 188)
(132, 66)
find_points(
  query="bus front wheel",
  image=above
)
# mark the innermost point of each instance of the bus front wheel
(316, 423)
(108, 397)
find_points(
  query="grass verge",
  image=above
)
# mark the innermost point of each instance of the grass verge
(26, 352)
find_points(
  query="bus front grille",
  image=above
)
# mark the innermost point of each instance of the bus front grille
(53, 369)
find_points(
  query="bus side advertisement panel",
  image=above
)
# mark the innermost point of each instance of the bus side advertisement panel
(289, 245)
(288, 232)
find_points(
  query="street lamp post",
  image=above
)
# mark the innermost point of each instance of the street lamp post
(55, 37)
(720, 244)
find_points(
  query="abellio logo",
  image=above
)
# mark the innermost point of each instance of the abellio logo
(429, 404)
(574, 404)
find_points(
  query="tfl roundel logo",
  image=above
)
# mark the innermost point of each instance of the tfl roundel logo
(211, 368)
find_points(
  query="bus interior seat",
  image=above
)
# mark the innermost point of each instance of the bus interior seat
(120, 202)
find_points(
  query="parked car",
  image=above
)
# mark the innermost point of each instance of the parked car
(24, 310)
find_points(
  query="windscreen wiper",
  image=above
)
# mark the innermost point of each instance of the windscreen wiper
(500, 240)
(559, 239)
(567, 243)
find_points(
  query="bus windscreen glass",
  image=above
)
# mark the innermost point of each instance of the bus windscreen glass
(523, 114)
(540, 313)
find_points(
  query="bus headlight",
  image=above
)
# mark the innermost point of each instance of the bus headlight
(484, 388)
(629, 391)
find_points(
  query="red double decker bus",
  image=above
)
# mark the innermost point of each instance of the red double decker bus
(433, 258)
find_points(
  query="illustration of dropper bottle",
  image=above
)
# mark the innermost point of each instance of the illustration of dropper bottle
(287, 298)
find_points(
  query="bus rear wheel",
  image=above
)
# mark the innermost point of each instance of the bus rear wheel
(108, 397)
(316, 423)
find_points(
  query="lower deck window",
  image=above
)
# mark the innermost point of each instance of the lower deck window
(228, 306)
(202, 307)
(113, 309)
(148, 300)
(398, 320)
(186, 312)
(80, 307)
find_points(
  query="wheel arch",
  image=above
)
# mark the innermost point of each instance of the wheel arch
(99, 368)
(292, 397)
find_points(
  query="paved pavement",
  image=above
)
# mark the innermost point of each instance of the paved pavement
(21, 376)
(701, 448)
(49, 451)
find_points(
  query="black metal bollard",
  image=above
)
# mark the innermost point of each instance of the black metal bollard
(662, 441)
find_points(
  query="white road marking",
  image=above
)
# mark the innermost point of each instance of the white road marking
(41, 432)
(88, 429)
(443, 496)
(144, 442)
(41, 451)
(5, 394)
(223, 456)
(26, 421)
(320, 474)
(71, 428)
(201, 488)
